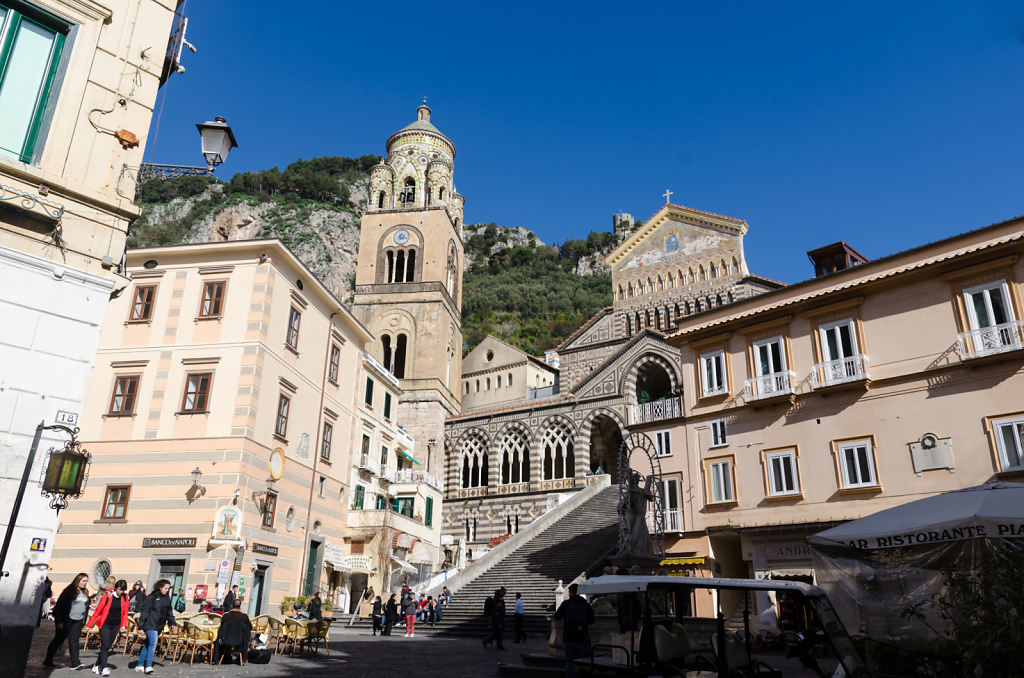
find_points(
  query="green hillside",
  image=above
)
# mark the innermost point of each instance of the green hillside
(516, 288)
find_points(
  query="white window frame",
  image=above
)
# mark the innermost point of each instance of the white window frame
(823, 331)
(759, 366)
(708, 389)
(664, 486)
(721, 488)
(719, 431)
(660, 440)
(972, 316)
(780, 458)
(871, 479)
(1017, 427)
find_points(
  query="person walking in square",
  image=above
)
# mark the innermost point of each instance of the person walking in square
(520, 617)
(390, 615)
(497, 620)
(376, 614)
(154, 613)
(111, 616)
(68, 618)
(229, 599)
(576, 615)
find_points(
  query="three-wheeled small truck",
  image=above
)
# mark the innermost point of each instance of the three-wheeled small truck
(660, 635)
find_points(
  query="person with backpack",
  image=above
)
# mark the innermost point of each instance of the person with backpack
(154, 613)
(390, 615)
(576, 615)
(111, 616)
(68, 618)
(179, 601)
(497, 619)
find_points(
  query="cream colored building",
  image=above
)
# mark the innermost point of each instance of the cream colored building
(229, 359)
(874, 384)
(495, 373)
(78, 81)
(395, 514)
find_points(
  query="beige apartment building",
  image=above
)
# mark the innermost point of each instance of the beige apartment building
(78, 82)
(231, 391)
(873, 384)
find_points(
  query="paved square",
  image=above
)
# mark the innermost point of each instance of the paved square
(353, 653)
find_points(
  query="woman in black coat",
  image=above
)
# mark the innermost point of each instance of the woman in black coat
(390, 615)
(69, 615)
(378, 611)
(154, 613)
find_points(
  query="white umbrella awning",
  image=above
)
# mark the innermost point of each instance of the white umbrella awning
(994, 511)
(338, 567)
(404, 566)
(421, 553)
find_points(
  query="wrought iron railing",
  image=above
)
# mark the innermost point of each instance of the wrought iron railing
(841, 371)
(989, 340)
(657, 410)
(769, 385)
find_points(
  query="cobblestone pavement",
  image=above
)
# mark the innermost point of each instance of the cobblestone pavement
(353, 653)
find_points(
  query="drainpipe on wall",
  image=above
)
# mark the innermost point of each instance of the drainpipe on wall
(317, 442)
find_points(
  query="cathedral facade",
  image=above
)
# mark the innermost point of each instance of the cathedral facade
(516, 451)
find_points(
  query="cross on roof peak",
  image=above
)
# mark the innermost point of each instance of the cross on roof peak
(667, 195)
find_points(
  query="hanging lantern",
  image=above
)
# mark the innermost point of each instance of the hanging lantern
(65, 473)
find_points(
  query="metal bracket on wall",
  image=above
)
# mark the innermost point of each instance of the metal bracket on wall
(31, 203)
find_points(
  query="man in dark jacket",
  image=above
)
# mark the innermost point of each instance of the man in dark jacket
(235, 630)
(230, 598)
(576, 615)
(315, 607)
(497, 620)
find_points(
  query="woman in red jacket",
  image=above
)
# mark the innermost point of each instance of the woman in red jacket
(111, 615)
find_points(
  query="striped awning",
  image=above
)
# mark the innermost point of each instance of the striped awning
(690, 560)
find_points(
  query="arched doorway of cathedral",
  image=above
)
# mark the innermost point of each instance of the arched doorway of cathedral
(605, 440)
(653, 382)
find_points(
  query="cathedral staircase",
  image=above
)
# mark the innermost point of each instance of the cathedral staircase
(563, 550)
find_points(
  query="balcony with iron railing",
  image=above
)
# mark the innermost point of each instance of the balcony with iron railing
(673, 520)
(367, 463)
(842, 371)
(770, 386)
(992, 340)
(657, 410)
(413, 476)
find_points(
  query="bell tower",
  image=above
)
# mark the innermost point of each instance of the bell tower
(409, 280)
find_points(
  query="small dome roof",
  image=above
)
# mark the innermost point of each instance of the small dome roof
(421, 124)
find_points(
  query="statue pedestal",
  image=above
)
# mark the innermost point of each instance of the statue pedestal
(636, 564)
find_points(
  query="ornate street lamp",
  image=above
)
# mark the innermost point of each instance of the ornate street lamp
(260, 498)
(196, 490)
(64, 478)
(216, 140)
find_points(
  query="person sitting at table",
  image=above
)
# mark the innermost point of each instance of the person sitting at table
(235, 632)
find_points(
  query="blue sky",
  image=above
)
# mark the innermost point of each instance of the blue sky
(883, 124)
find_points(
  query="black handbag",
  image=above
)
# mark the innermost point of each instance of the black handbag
(259, 656)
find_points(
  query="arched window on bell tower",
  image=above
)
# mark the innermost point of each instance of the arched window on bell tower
(451, 271)
(380, 199)
(410, 266)
(390, 256)
(401, 344)
(409, 192)
(440, 193)
(387, 353)
(399, 275)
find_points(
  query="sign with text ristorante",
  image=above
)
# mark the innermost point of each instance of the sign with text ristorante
(168, 542)
(264, 548)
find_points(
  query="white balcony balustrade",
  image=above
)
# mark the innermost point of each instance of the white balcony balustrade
(365, 462)
(841, 371)
(413, 476)
(657, 410)
(769, 385)
(673, 520)
(991, 340)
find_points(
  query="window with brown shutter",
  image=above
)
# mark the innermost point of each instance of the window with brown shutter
(213, 300)
(281, 427)
(332, 370)
(142, 302)
(294, 317)
(325, 444)
(197, 392)
(270, 509)
(122, 400)
(115, 504)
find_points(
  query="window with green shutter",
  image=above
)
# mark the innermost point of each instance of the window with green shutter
(428, 513)
(381, 502)
(387, 405)
(31, 44)
(357, 502)
(368, 399)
